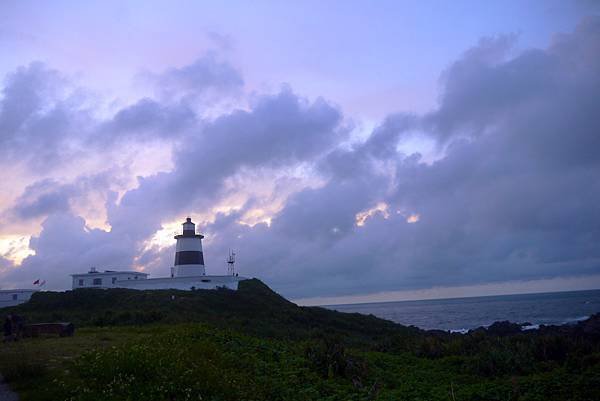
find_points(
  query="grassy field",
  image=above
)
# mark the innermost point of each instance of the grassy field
(254, 345)
(31, 365)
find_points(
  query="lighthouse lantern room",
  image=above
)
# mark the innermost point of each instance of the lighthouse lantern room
(189, 259)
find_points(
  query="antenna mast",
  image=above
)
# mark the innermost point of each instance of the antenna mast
(231, 263)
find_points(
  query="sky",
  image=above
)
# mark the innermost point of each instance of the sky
(347, 150)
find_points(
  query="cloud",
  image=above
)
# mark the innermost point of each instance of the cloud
(42, 198)
(5, 265)
(279, 130)
(35, 117)
(64, 246)
(146, 119)
(48, 122)
(207, 78)
(513, 195)
(47, 197)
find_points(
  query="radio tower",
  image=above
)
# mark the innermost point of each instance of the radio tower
(231, 263)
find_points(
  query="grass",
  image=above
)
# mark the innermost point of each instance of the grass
(31, 364)
(196, 361)
(254, 345)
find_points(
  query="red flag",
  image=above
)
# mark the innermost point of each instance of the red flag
(36, 281)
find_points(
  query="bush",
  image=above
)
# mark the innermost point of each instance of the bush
(23, 371)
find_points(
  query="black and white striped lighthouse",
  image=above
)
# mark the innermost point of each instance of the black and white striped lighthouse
(189, 259)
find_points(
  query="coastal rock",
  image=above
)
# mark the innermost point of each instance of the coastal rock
(591, 326)
(504, 328)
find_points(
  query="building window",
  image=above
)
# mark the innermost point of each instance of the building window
(97, 281)
(81, 282)
(114, 280)
(15, 296)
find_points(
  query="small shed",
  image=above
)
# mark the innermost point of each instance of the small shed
(15, 297)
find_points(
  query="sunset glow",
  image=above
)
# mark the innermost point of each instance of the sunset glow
(15, 248)
(380, 208)
(312, 154)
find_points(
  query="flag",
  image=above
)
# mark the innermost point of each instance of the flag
(36, 282)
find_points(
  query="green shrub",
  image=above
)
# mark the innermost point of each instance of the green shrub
(22, 371)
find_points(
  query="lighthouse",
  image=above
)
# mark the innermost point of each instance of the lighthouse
(187, 274)
(189, 259)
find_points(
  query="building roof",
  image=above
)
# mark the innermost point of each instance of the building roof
(109, 273)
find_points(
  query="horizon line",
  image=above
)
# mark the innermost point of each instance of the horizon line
(513, 287)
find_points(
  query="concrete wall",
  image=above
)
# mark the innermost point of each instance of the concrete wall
(183, 283)
(128, 280)
(106, 279)
(15, 297)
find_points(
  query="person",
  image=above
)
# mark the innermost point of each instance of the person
(8, 328)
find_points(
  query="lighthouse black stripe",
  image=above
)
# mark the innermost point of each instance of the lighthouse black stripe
(189, 258)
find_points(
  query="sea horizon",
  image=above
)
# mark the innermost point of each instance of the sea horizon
(455, 298)
(466, 313)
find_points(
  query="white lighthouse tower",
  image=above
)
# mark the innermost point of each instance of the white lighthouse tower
(187, 274)
(189, 259)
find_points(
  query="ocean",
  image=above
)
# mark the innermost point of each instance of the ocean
(462, 314)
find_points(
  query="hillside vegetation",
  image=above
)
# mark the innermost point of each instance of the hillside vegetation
(252, 344)
(253, 309)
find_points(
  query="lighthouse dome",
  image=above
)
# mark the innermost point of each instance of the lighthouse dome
(189, 227)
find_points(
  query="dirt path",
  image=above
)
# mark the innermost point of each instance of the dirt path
(6, 394)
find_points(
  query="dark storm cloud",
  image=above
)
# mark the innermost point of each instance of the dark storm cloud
(5, 265)
(45, 125)
(207, 77)
(147, 119)
(515, 194)
(47, 196)
(46, 121)
(279, 130)
(41, 199)
(66, 246)
(35, 118)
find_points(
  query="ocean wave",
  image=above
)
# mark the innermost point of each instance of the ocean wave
(532, 326)
(568, 321)
(575, 320)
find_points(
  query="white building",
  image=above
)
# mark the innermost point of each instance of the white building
(15, 297)
(105, 279)
(187, 273)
